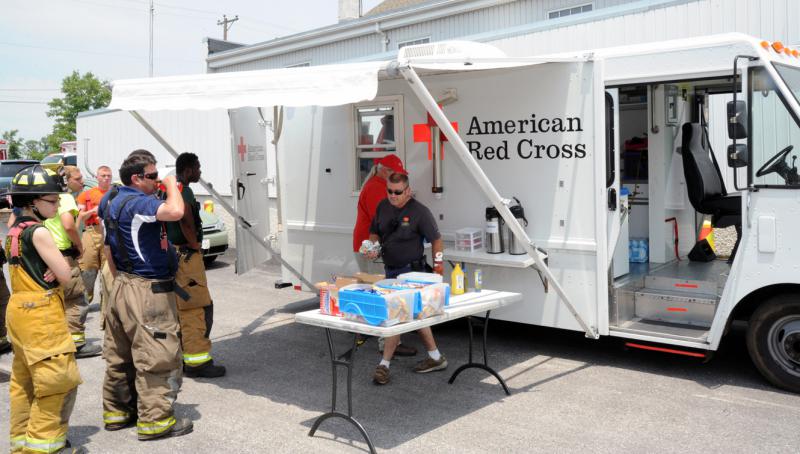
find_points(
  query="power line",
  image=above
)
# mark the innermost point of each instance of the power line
(21, 102)
(138, 57)
(30, 89)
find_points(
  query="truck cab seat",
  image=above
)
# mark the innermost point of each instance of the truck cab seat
(704, 182)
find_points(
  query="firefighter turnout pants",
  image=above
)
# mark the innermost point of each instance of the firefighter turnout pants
(4, 296)
(93, 257)
(143, 354)
(75, 304)
(44, 373)
(196, 314)
(106, 284)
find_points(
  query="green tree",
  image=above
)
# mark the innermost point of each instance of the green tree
(14, 143)
(81, 93)
(35, 149)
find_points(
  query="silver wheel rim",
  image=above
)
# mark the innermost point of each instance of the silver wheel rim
(784, 343)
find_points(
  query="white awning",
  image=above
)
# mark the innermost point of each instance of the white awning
(326, 85)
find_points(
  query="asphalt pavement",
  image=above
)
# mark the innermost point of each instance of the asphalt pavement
(568, 393)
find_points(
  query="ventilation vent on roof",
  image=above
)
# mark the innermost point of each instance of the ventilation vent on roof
(449, 50)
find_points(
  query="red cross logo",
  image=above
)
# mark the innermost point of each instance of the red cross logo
(242, 148)
(422, 133)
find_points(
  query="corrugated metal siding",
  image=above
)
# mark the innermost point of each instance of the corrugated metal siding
(504, 15)
(770, 19)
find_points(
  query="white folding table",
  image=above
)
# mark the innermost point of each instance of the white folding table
(465, 305)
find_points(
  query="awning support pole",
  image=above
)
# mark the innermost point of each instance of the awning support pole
(239, 219)
(486, 185)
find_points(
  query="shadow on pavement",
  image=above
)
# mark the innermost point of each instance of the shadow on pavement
(288, 362)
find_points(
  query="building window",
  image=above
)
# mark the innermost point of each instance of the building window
(413, 42)
(570, 11)
(378, 133)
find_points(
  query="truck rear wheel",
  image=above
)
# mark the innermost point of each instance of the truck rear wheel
(773, 340)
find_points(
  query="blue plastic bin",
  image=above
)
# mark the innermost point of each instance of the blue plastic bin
(373, 309)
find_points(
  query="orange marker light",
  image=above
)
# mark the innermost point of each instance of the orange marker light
(787, 51)
(765, 44)
(778, 46)
(795, 53)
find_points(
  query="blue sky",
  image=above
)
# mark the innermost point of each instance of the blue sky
(42, 41)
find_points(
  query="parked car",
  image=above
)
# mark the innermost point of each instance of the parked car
(215, 234)
(57, 160)
(9, 168)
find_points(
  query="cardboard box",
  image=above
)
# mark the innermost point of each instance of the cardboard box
(329, 294)
(370, 278)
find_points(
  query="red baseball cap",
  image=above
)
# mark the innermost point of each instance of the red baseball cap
(393, 162)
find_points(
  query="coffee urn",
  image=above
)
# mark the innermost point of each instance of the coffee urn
(494, 231)
(514, 246)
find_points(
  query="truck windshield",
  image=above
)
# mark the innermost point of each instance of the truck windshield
(773, 129)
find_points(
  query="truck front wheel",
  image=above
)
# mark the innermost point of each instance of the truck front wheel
(773, 340)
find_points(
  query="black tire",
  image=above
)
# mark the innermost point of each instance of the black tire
(773, 340)
(209, 260)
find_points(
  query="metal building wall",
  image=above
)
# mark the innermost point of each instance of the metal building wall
(770, 19)
(504, 15)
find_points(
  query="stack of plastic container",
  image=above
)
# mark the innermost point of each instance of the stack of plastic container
(469, 239)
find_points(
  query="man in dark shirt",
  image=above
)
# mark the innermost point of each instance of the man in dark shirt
(401, 224)
(196, 313)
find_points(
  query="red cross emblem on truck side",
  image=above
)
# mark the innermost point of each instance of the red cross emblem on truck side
(422, 133)
(241, 148)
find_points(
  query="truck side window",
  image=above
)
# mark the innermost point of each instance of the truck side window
(773, 128)
(378, 132)
(610, 160)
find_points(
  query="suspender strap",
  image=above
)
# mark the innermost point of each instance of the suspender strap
(112, 225)
(15, 233)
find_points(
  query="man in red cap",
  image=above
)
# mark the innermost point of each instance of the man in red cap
(373, 191)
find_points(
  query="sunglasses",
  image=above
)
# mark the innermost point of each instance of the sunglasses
(52, 202)
(149, 176)
(400, 192)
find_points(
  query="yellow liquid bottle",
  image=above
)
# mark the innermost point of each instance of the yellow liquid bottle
(457, 280)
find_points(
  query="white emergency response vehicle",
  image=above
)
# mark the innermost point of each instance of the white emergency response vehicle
(564, 135)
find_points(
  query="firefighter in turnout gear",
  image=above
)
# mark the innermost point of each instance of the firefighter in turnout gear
(44, 373)
(64, 229)
(196, 313)
(142, 337)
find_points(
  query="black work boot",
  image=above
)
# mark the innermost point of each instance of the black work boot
(88, 351)
(205, 370)
(182, 426)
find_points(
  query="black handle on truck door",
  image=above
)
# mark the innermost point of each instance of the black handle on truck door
(240, 190)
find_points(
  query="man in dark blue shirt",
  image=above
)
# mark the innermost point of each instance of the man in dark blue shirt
(142, 338)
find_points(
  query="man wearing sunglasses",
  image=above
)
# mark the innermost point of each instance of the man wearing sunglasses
(372, 193)
(142, 346)
(401, 224)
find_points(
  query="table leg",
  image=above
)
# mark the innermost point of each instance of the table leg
(344, 360)
(485, 364)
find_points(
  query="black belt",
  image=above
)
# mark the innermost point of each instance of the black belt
(416, 265)
(169, 286)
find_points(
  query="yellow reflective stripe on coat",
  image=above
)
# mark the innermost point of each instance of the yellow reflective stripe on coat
(197, 358)
(17, 443)
(79, 338)
(111, 417)
(155, 427)
(48, 446)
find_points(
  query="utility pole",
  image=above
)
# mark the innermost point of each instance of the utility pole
(151, 38)
(225, 27)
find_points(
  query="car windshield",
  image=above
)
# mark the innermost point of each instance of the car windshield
(9, 169)
(52, 159)
(71, 160)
